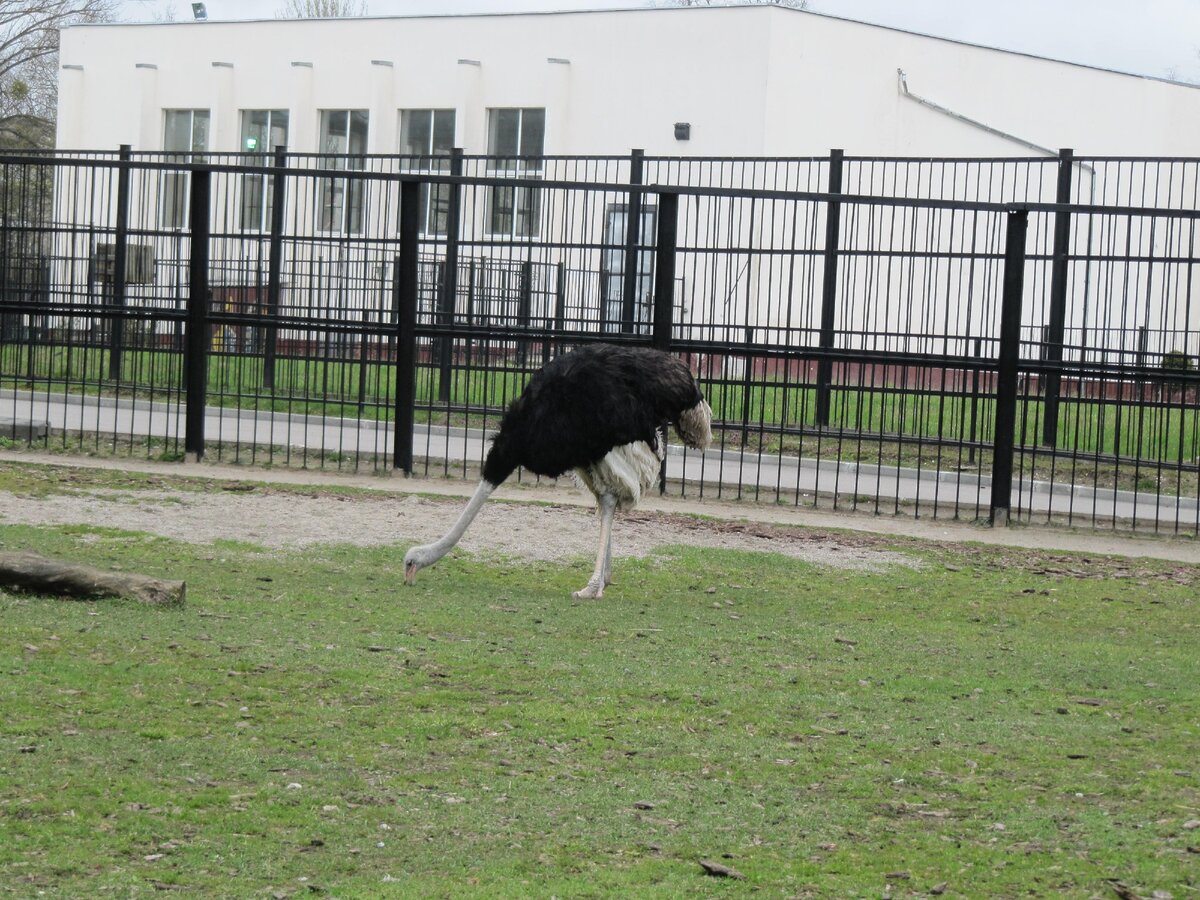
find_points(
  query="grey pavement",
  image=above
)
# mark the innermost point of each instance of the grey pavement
(729, 473)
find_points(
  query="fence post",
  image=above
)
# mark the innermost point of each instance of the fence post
(1009, 358)
(116, 329)
(197, 345)
(560, 303)
(406, 327)
(833, 222)
(275, 265)
(524, 310)
(665, 242)
(449, 298)
(1056, 324)
(633, 241)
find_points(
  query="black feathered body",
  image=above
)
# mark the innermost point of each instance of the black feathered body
(584, 404)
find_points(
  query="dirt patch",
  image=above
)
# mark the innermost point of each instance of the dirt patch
(291, 520)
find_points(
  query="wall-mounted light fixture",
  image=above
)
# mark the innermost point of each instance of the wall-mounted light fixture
(199, 13)
(683, 131)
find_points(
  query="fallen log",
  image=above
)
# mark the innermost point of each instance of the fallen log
(34, 572)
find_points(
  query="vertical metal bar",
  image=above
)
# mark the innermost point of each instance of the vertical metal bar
(524, 310)
(197, 346)
(1006, 365)
(406, 326)
(664, 269)
(560, 303)
(633, 241)
(833, 220)
(275, 265)
(116, 330)
(1056, 323)
(449, 285)
(666, 242)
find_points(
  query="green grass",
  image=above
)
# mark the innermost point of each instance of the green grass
(1000, 722)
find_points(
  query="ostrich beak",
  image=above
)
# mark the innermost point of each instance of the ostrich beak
(410, 573)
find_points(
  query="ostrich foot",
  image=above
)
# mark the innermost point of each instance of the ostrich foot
(593, 591)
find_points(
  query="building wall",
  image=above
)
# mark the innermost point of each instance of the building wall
(749, 80)
(623, 86)
(834, 83)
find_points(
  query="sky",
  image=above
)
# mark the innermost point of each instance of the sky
(1160, 38)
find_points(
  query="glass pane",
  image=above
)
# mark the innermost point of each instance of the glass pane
(354, 213)
(178, 134)
(439, 212)
(500, 221)
(358, 135)
(200, 130)
(529, 207)
(174, 200)
(278, 130)
(254, 131)
(252, 202)
(503, 128)
(416, 132)
(443, 131)
(330, 217)
(333, 131)
(533, 132)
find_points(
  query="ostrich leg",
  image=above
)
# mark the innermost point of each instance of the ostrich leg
(600, 577)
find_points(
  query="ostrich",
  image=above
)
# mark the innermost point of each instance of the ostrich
(597, 411)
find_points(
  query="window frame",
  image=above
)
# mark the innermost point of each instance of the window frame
(434, 204)
(174, 206)
(260, 185)
(523, 206)
(346, 195)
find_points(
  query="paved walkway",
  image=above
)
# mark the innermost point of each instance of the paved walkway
(731, 474)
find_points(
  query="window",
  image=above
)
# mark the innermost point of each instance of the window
(344, 137)
(616, 314)
(516, 140)
(426, 139)
(262, 131)
(184, 136)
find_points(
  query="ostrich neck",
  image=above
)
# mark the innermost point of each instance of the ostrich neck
(435, 551)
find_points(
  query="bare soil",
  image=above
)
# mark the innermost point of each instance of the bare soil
(285, 519)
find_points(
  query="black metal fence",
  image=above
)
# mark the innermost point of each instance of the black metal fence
(966, 338)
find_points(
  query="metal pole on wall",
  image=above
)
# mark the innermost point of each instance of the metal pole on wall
(275, 265)
(197, 345)
(406, 327)
(116, 330)
(1056, 322)
(1007, 365)
(833, 224)
(633, 241)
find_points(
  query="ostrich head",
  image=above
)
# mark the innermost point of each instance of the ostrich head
(417, 558)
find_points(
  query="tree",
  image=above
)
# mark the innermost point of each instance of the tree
(29, 65)
(322, 9)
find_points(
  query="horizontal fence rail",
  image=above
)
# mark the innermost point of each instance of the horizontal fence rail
(1004, 340)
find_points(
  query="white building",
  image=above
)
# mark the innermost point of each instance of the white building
(749, 81)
